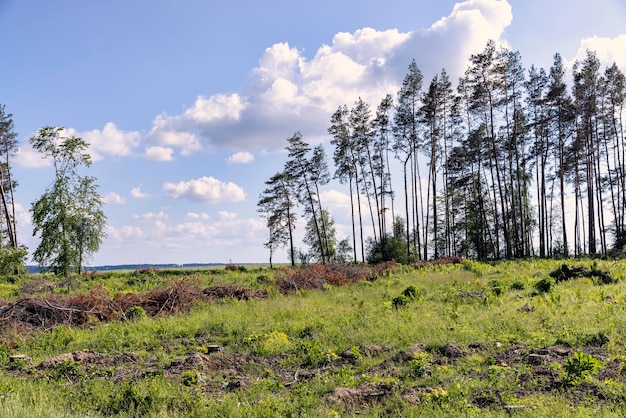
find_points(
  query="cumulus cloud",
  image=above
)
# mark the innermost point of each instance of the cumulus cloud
(159, 153)
(27, 157)
(449, 42)
(138, 194)
(113, 197)
(149, 216)
(290, 92)
(205, 189)
(110, 141)
(335, 199)
(240, 158)
(608, 50)
(193, 215)
(227, 216)
(225, 235)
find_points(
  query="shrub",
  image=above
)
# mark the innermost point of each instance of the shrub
(517, 285)
(411, 292)
(580, 366)
(136, 313)
(596, 340)
(312, 354)
(400, 302)
(13, 260)
(544, 285)
(419, 366)
(67, 369)
(496, 287)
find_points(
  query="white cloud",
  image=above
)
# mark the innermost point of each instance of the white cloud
(240, 158)
(206, 189)
(27, 157)
(217, 107)
(149, 216)
(113, 197)
(227, 216)
(22, 215)
(289, 92)
(608, 50)
(124, 233)
(335, 199)
(138, 194)
(160, 153)
(193, 215)
(227, 235)
(109, 141)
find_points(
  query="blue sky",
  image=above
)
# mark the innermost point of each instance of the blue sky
(187, 104)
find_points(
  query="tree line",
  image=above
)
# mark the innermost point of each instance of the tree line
(487, 167)
(68, 217)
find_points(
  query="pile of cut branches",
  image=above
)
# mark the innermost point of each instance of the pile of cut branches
(47, 311)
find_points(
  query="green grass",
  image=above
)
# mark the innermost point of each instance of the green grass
(282, 356)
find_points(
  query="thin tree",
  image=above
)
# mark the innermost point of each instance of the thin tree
(405, 129)
(299, 169)
(277, 204)
(8, 148)
(68, 217)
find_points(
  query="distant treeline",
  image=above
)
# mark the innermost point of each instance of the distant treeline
(35, 269)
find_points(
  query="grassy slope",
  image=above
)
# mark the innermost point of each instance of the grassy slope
(270, 344)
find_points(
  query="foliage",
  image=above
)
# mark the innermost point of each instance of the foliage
(580, 365)
(277, 203)
(8, 148)
(544, 285)
(13, 261)
(328, 239)
(68, 217)
(135, 313)
(390, 247)
(420, 364)
(400, 302)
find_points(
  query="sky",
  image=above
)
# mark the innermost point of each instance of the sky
(187, 105)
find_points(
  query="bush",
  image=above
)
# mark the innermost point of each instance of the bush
(419, 366)
(517, 285)
(496, 287)
(580, 366)
(135, 313)
(544, 285)
(411, 292)
(13, 261)
(400, 302)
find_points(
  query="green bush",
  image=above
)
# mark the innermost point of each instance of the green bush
(400, 302)
(544, 285)
(496, 287)
(517, 285)
(67, 369)
(135, 313)
(419, 366)
(411, 292)
(580, 366)
(13, 261)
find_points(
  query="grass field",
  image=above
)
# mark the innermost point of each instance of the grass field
(466, 339)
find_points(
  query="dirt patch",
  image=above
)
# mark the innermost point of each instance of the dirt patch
(360, 396)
